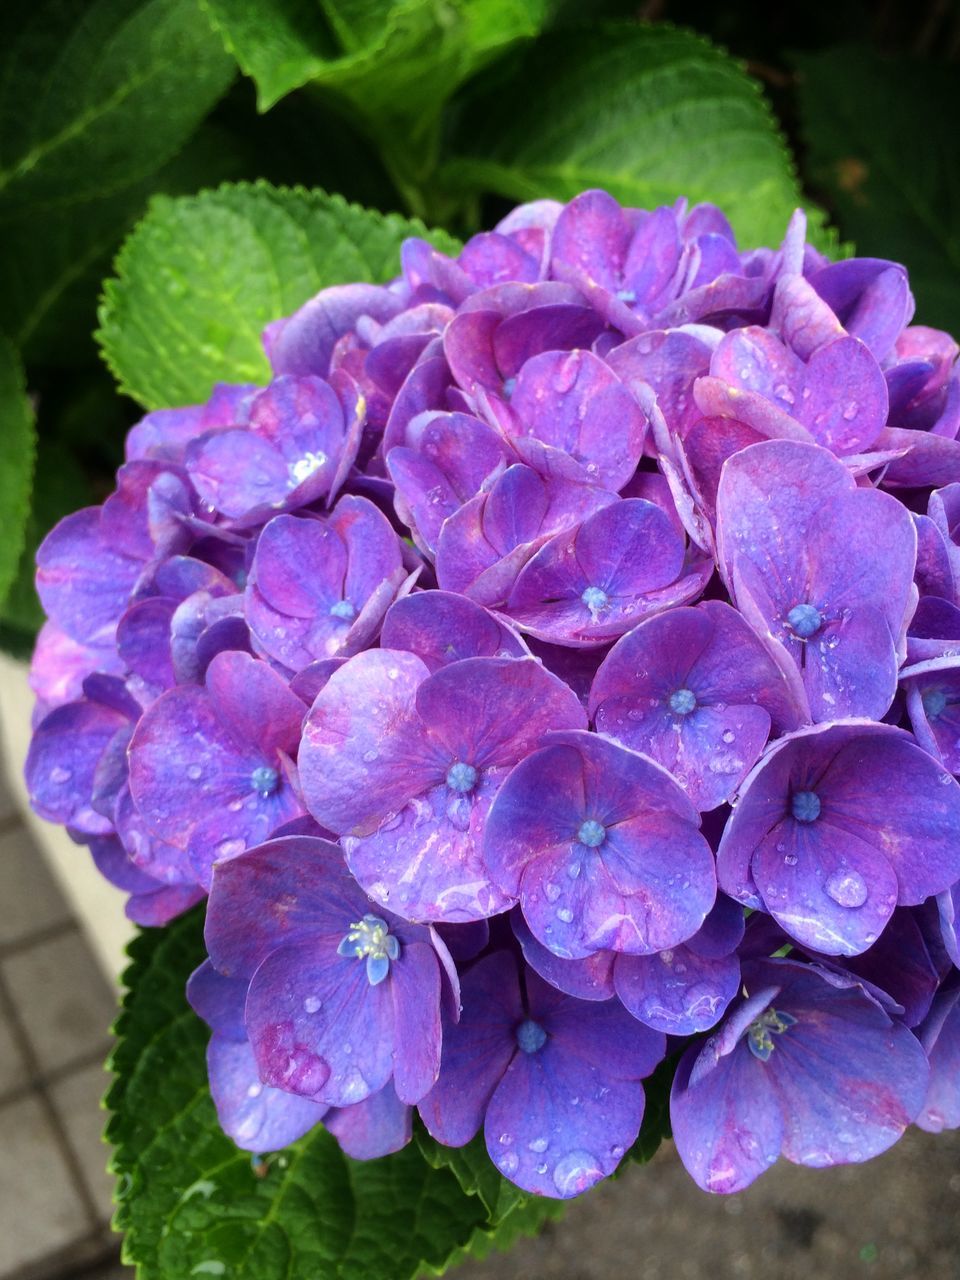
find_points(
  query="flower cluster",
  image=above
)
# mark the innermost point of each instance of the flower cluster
(553, 669)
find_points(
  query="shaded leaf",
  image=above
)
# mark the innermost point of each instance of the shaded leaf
(94, 99)
(884, 147)
(17, 449)
(647, 112)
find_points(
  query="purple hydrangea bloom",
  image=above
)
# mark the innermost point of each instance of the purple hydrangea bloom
(835, 826)
(211, 768)
(809, 1065)
(579, 586)
(405, 765)
(340, 1000)
(696, 690)
(822, 569)
(554, 1082)
(319, 588)
(261, 1118)
(296, 446)
(601, 847)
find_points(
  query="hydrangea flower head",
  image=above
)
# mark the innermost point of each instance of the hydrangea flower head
(548, 610)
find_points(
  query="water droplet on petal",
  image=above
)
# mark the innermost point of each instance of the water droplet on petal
(551, 891)
(538, 1144)
(847, 888)
(194, 772)
(576, 1172)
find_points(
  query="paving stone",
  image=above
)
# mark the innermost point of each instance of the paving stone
(32, 899)
(41, 1213)
(13, 1069)
(77, 1099)
(62, 1000)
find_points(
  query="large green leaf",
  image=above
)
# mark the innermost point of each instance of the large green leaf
(391, 64)
(190, 1203)
(17, 448)
(200, 278)
(884, 146)
(94, 99)
(646, 112)
(377, 53)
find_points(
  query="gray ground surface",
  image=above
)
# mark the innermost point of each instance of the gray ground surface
(896, 1218)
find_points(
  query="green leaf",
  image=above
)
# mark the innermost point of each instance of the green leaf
(392, 64)
(192, 1204)
(17, 449)
(374, 52)
(647, 112)
(200, 277)
(884, 147)
(94, 99)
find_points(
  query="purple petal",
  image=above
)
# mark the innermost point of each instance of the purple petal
(362, 755)
(378, 1126)
(588, 978)
(476, 1051)
(318, 1027)
(257, 1117)
(725, 1118)
(574, 403)
(83, 582)
(441, 627)
(677, 991)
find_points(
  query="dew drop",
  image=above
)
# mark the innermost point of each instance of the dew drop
(194, 772)
(576, 1172)
(728, 736)
(539, 1145)
(311, 1004)
(564, 914)
(847, 888)
(509, 1162)
(551, 891)
(60, 775)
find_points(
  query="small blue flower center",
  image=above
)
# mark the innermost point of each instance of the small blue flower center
(370, 939)
(592, 833)
(682, 702)
(343, 609)
(461, 777)
(531, 1036)
(761, 1032)
(804, 620)
(595, 598)
(805, 806)
(265, 780)
(934, 702)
